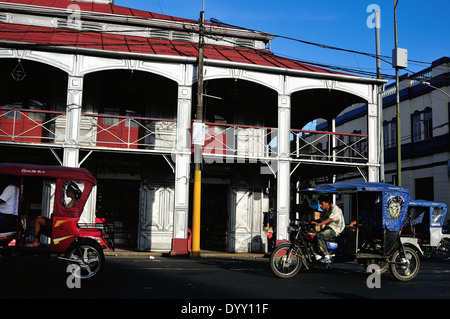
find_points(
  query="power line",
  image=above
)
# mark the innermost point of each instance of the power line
(384, 58)
(320, 45)
(323, 46)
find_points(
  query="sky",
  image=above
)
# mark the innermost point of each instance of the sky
(423, 28)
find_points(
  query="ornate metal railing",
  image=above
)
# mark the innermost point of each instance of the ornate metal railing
(158, 134)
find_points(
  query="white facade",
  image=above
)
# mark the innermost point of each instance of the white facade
(164, 201)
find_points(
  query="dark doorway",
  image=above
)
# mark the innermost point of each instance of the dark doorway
(213, 235)
(119, 200)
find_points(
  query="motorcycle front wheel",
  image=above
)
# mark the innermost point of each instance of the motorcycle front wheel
(284, 263)
(405, 267)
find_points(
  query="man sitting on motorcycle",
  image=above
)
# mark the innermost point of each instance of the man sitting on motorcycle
(334, 225)
(9, 206)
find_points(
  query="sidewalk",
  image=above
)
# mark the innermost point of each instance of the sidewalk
(203, 254)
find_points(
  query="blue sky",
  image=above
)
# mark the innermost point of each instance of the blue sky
(423, 27)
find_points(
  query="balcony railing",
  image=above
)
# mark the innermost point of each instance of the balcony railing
(241, 141)
(129, 132)
(28, 126)
(160, 135)
(329, 146)
(96, 130)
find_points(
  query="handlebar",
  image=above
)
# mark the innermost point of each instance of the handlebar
(297, 225)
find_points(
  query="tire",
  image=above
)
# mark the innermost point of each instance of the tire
(443, 250)
(284, 263)
(88, 259)
(403, 271)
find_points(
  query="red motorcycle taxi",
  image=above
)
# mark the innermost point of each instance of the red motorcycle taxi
(65, 192)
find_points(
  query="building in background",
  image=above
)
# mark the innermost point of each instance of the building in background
(425, 142)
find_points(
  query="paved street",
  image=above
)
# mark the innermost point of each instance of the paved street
(144, 277)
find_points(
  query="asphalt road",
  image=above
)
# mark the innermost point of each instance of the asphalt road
(144, 277)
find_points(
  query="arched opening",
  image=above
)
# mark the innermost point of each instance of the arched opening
(311, 104)
(241, 102)
(130, 109)
(315, 113)
(31, 95)
(128, 91)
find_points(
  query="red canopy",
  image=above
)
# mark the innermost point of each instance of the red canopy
(47, 171)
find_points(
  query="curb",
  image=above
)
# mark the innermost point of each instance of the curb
(203, 254)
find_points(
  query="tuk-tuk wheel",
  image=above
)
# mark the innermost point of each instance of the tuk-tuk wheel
(88, 258)
(405, 267)
(443, 250)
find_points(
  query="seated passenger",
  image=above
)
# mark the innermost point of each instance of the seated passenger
(73, 192)
(9, 206)
(43, 225)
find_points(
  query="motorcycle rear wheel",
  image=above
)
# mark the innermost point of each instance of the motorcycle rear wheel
(443, 250)
(88, 259)
(284, 263)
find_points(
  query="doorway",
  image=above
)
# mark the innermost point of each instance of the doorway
(214, 213)
(119, 201)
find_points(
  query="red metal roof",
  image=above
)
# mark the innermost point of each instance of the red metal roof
(43, 36)
(47, 36)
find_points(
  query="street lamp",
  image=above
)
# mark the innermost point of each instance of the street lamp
(436, 88)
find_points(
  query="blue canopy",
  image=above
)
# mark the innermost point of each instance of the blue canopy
(427, 203)
(436, 216)
(337, 188)
(394, 201)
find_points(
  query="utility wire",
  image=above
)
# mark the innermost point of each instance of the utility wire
(323, 46)
(217, 22)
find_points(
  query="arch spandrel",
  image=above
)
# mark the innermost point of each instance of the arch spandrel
(272, 81)
(172, 71)
(362, 90)
(64, 62)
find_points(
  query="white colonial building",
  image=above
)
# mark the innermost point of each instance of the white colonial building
(113, 89)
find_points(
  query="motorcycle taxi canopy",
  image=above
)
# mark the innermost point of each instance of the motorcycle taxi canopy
(61, 174)
(437, 212)
(394, 202)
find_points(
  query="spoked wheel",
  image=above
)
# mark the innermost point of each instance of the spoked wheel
(405, 267)
(86, 260)
(284, 263)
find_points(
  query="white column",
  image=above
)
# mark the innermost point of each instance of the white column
(182, 158)
(373, 131)
(73, 118)
(283, 167)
